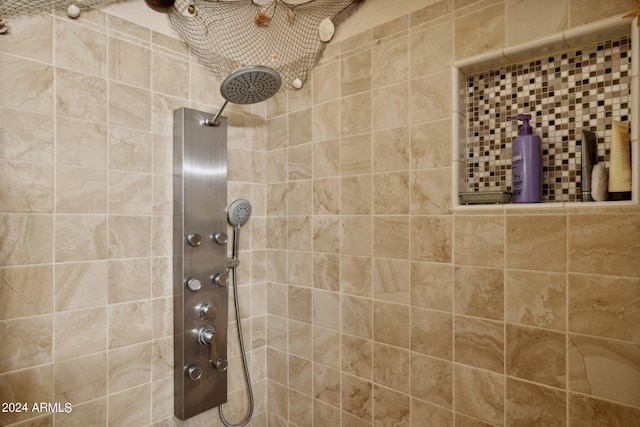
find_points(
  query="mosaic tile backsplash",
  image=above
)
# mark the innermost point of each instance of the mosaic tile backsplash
(565, 93)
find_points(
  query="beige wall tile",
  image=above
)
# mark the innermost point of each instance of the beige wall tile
(356, 276)
(536, 355)
(130, 149)
(80, 190)
(472, 39)
(605, 368)
(390, 106)
(390, 62)
(357, 356)
(430, 144)
(129, 366)
(26, 84)
(300, 127)
(431, 333)
(391, 149)
(80, 332)
(356, 195)
(123, 69)
(479, 343)
(584, 12)
(326, 347)
(133, 317)
(536, 242)
(432, 286)
(130, 406)
(357, 316)
(33, 385)
(432, 380)
(21, 140)
(81, 143)
(391, 280)
(355, 73)
(479, 240)
(170, 75)
(80, 237)
(531, 403)
(391, 239)
(80, 285)
(430, 191)
(81, 96)
(423, 412)
(357, 397)
(26, 291)
(326, 384)
(431, 238)
(129, 107)
(391, 324)
(27, 187)
(326, 196)
(536, 299)
(326, 121)
(30, 37)
(431, 49)
(81, 379)
(326, 82)
(26, 342)
(121, 228)
(355, 114)
(27, 239)
(390, 407)
(479, 394)
(356, 237)
(88, 56)
(587, 411)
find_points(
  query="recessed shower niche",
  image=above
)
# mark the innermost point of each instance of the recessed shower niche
(581, 79)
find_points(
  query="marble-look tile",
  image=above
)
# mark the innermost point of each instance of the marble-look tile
(428, 414)
(479, 343)
(356, 235)
(325, 415)
(391, 367)
(431, 50)
(326, 82)
(391, 280)
(430, 98)
(432, 286)
(438, 247)
(391, 149)
(27, 239)
(355, 155)
(81, 143)
(129, 107)
(357, 397)
(430, 191)
(472, 39)
(551, 17)
(390, 62)
(27, 85)
(326, 158)
(326, 121)
(34, 384)
(80, 237)
(356, 195)
(326, 309)
(390, 106)
(299, 234)
(391, 324)
(356, 276)
(590, 412)
(479, 292)
(80, 190)
(391, 407)
(532, 404)
(22, 141)
(326, 384)
(584, 12)
(129, 366)
(536, 299)
(326, 272)
(537, 355)
(355, 73)
(121, 229)
(605, 306)
(129, 323)
(170, 75)
(300, 412)
(326, 347)
(326, 234)
(27, 187)
(357, 316)
(479, 240)
(80, 332)
(162, 317)
(26, 291)
(299, 197)
(300, 302)
(431, 333)
(536, 242)
(80, 285)
(26, 342)
(357, 356)
(326, 196)
(122, 69)
(130, 149)
(130, 407)
(605, 368)
(432, 380)
(355, 114)
(300, 127)
(30, 37)
(300, 374)
(479, 394)
(597, 243)
(79, 48)
(81, 96)
(81, 379)
(391, 193)
(92, 413)
(431, 144)
(391, 240)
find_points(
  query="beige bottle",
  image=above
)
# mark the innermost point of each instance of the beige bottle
(620, 162)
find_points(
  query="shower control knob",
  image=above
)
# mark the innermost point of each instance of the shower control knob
(221, 365)
(194, 284)
(207, 311)
(194, 239)
(194, 373)
(221, 238)
(221, 279)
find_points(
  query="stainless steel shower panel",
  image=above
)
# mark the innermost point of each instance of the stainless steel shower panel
(200, 294)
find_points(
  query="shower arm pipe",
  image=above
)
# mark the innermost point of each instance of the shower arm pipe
(214, 121)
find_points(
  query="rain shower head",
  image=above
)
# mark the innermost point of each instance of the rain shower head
(250, 85)
(239, 212)
(247, 85)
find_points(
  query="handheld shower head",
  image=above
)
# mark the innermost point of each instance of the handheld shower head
(239, 212)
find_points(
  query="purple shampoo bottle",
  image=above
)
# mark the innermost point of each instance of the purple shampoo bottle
(526, 166)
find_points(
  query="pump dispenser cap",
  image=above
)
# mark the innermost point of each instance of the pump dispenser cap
(525, 129)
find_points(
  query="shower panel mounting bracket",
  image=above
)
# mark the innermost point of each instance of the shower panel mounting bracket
(200, 297)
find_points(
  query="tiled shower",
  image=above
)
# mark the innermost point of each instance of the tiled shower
(368, 300)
